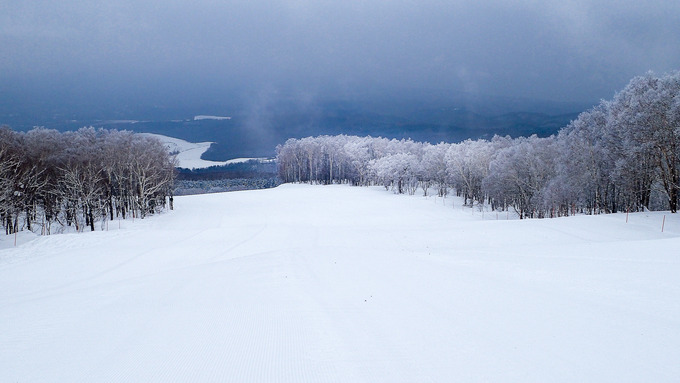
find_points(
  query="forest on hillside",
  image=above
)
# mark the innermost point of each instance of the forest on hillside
(75, 179)
(621, 155)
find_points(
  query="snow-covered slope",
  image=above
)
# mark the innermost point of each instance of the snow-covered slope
(189, 153)
(334, 283)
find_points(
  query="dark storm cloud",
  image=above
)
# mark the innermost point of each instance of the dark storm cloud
(578, 50)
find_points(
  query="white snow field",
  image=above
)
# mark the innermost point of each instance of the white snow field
(189, 153)
(203, 117)
(344, 284)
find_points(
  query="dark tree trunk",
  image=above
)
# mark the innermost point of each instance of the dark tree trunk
(90, 218)
(673, 199)
(110, 203)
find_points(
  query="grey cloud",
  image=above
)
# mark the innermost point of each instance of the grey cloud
(577, 50)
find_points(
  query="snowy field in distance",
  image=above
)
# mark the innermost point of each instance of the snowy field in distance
(189, 153)
(203, 117)
(344, 284)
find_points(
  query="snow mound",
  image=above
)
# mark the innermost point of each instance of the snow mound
(335, 283)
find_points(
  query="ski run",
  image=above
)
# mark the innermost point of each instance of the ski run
(344, 284)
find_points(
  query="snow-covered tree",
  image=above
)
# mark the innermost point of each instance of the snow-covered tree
(434, 167)
(77, 178)
(646, 115)
(397, 171)
(519, 174)
(468, 165)
(618, 155)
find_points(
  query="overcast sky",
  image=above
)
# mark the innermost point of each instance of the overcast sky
(580, 50)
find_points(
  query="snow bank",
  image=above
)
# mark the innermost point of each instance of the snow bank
(314, 283)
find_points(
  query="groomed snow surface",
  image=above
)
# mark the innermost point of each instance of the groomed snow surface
(344, 284)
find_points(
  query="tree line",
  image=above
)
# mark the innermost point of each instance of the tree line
(76, 179)
(621, 155)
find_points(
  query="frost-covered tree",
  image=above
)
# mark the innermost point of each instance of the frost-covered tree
(621, 154)
(434, 167)
(519, 174)
(398, 171)
(646, 115)
(151, 174)
(584, 166)
(359, 152)
(468, 165)
(617, 154)
(77, 178)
